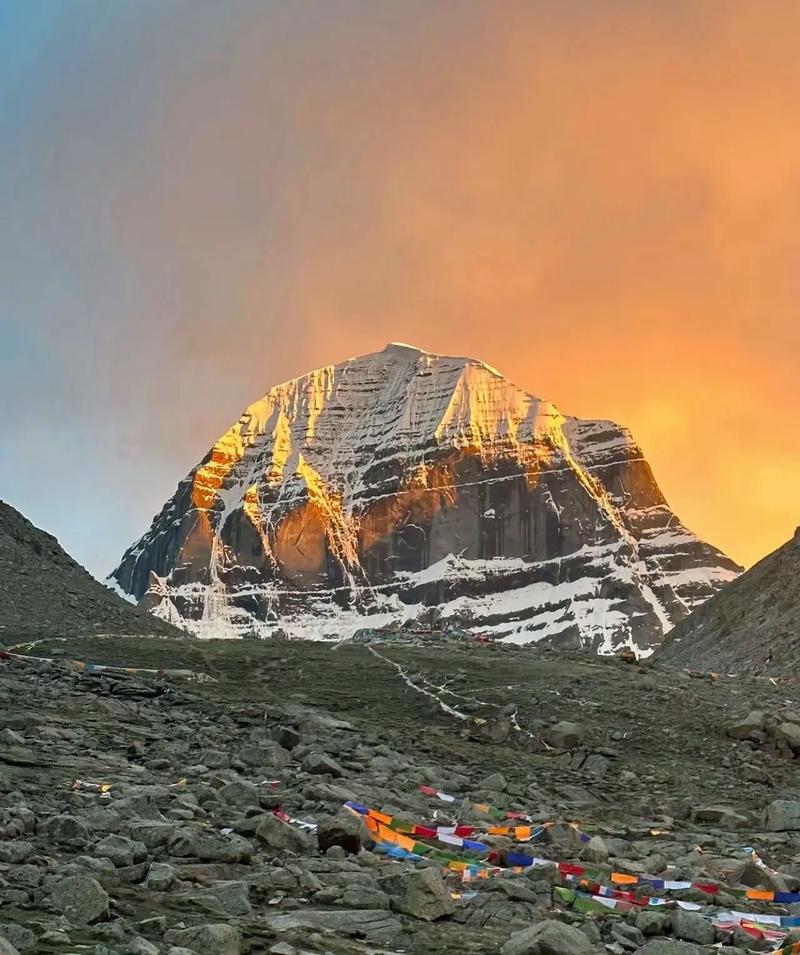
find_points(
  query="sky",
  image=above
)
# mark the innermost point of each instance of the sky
(600, 198)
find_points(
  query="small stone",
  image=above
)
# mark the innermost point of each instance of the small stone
(81, 899)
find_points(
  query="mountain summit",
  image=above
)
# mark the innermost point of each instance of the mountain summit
(405, 485)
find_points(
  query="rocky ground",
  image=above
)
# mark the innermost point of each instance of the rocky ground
(196, 845)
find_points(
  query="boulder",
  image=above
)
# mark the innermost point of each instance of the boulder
(320, 764)
(549, 937)
(783, 815)
(21, 937)
(282, 837)
(208, 846)
(595, 850)
(421, 893)
(750, 727)
(160, 877)
(668, 946)
(691, 927)
(81, 899)
(240, 793)
(564, 735)
(723, 817)
(205, 939)
(6, 948)
(65, 830)
(788, 733)
(345, 830)
(120, 850)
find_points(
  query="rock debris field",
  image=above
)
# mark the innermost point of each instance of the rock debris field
(420, 797)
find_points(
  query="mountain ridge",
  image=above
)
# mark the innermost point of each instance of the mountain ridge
(753, 623)
(44, 592)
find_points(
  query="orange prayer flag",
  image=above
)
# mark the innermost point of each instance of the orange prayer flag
(760, 894)
(482, 806)
(622, 878)
(405, 843)
(523, 832)
(498, 830)
(386, 820)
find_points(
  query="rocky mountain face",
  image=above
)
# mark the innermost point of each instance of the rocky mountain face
(407, 487)
(44, 592)
(752, 623)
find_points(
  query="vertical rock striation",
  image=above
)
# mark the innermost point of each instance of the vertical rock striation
(405, 485)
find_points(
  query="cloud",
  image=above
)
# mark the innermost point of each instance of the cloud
(599, 198)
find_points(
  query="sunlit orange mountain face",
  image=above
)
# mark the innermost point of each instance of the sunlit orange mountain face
(404, 488)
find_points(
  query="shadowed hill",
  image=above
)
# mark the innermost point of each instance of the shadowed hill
(753, 622)
(44, 592)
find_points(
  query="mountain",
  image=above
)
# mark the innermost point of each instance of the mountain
(45, 593)
(408, 486)
(753, 622)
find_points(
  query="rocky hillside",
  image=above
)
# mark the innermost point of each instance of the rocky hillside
(606, 804)
(752, 622)
(44, 592)
(404, 486)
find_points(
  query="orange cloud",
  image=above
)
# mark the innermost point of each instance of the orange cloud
(602, 199)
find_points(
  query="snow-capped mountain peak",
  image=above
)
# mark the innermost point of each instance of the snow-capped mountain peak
(336, 495)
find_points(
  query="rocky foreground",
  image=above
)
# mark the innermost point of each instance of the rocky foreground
(143, 814)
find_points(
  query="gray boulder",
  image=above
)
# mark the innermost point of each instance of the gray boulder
(421, 893)
(240, 793)
(21, 937)
(549, 937)
(208, 846)
(788, 733)
(345, 830)
(783, 815)
(564, 735)
(205, 939)
(6, 948)
(81, 899)
(691, 927)
(668, 946)
(320, 764)
(65, 830)
(282, 837)
(750, 727)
